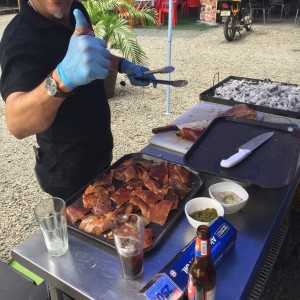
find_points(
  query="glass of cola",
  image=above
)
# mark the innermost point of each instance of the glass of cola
(128, 232)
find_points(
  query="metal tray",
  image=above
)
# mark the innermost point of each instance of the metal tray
(197, 182)
(272, 165)
(208, 96)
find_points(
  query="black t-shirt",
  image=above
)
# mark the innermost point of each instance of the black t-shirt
(80, 136)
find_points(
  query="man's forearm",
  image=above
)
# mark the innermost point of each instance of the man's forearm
(29, 113)
(115, 60)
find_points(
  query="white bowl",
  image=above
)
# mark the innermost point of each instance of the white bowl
(230, 187)
(201, 203)
(243, 184)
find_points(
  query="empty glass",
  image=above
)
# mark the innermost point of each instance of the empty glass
(51, 216)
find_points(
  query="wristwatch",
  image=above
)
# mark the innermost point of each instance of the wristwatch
(52, 90)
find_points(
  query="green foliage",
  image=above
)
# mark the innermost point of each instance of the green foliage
(111, 22)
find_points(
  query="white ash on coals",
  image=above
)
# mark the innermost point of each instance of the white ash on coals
(264, 93)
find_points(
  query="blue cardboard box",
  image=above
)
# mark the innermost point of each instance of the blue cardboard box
(171, 282)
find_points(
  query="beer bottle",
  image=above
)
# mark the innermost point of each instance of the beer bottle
(202, 273)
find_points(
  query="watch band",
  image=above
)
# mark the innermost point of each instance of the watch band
(119, 65)
(52, 90)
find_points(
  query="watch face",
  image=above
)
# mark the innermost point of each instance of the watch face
(51, 87)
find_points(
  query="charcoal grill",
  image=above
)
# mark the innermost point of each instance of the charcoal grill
(208, 96)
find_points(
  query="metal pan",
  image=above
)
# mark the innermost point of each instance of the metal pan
(197, 182)
(208, 96)
(272, 165)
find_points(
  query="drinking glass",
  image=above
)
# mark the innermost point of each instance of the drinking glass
(51, 216)
(128, 232)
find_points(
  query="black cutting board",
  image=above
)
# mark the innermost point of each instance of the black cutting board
(272, 165)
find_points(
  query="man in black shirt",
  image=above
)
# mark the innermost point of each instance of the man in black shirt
(52, 82)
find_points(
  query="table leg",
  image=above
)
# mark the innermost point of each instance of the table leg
(55, 294)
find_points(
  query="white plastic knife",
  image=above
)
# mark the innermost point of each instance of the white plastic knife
(245, 150)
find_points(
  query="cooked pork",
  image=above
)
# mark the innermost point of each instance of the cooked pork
(76, 212)
(121, 196)
(190, 134)
(136, 186)
(160, 212)
(94, 224)
(240, 111)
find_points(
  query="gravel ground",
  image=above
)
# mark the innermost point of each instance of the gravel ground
(268, 51)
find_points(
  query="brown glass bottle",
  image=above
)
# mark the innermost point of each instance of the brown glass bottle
(202, 273)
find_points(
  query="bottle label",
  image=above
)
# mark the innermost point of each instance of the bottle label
(201, 247)
(191, 290)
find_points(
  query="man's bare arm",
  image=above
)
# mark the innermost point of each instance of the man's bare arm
(29, 113)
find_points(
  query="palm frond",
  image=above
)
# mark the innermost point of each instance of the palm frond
(120, 36)
(110, 19)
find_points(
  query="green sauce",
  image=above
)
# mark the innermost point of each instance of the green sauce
(205, 215)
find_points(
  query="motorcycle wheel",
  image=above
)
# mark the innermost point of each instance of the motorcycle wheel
(248, 26)
(229, 28)
(248, 18)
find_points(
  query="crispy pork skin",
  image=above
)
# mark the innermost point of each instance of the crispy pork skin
(142, 205)
(240, 111)
(121, 196)
(160, 212)
(190, 134)
(160, 172)
(178, 172)
(102, 207)
(76, 212)
(140, 186)
(94, 224)
(149, 197)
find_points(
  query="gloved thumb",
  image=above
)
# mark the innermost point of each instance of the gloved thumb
(81, 26)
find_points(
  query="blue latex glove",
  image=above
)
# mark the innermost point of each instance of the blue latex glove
(133, 70)
(87, 58)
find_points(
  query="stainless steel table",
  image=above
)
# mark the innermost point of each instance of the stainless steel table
(91, 271)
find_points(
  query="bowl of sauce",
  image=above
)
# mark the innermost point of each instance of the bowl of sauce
(232, 196)
(202, 211)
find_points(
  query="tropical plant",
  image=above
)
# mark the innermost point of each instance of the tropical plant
(111, 20)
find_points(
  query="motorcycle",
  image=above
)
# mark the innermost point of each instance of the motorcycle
(236, 16)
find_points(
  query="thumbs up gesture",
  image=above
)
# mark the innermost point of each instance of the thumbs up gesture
(87, 58)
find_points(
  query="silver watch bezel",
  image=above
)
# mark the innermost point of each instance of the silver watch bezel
(51, 88)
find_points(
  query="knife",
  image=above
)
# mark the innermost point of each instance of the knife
(245, 150)
(171, 127)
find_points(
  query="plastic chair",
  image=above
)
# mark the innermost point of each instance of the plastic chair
(262, 5)
(183, 7)
(297, 12)
(157, 5)
(192, 4)
(282, 3)
(124, 14)
(165, 9)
